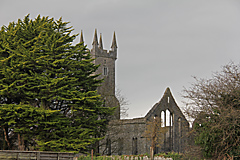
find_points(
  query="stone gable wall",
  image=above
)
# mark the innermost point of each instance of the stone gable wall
(127, 135)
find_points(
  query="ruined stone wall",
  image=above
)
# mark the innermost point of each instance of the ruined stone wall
(173, 118)
(126, 137)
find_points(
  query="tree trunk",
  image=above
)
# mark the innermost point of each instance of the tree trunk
(152, 153)
(20, 142)
(6, 136)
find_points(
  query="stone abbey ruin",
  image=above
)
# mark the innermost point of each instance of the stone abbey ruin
(125, 136)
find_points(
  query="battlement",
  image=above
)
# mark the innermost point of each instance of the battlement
(104, 53)
(97, 47)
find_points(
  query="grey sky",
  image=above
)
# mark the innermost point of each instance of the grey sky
(161, 43)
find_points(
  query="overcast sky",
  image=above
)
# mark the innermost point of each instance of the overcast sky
(161, 43)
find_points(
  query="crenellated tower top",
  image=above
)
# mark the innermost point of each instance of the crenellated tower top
(98, 50)
(97, 46)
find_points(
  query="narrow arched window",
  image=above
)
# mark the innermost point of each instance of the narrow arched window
(134, 146)
(179, 135)
(120, 146)
(108, 147)
(163, 119)
(105, 71)
(168, 118)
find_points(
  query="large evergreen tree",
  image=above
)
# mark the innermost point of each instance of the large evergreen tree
(41, 68)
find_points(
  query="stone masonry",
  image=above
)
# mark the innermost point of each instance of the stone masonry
(106, 60)
(125, 136)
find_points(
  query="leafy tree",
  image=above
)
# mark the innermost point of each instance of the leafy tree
(154, 133)
(215, 106)
(40, 67)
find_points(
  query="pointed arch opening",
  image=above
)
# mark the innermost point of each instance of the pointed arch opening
(163, 121)
(168, 118)
(179, 134)
(134, 146)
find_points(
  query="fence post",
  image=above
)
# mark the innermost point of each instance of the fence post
(38, 155)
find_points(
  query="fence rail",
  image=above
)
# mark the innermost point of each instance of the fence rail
(34, 155)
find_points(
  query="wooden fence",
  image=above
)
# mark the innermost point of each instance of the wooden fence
(34, 155)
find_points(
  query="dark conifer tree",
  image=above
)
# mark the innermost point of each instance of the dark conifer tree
(41, 68)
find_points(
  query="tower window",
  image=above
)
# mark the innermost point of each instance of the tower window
(105, 70)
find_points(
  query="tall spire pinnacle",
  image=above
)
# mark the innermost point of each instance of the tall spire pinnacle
(114, 42)
(100, 42)
(95, 40)
(81, 37)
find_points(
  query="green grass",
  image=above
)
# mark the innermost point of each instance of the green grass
(98, 157)
(174, 156)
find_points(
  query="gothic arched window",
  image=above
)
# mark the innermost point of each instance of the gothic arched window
(105, 71)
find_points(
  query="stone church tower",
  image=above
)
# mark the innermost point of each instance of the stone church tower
(106, 60)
